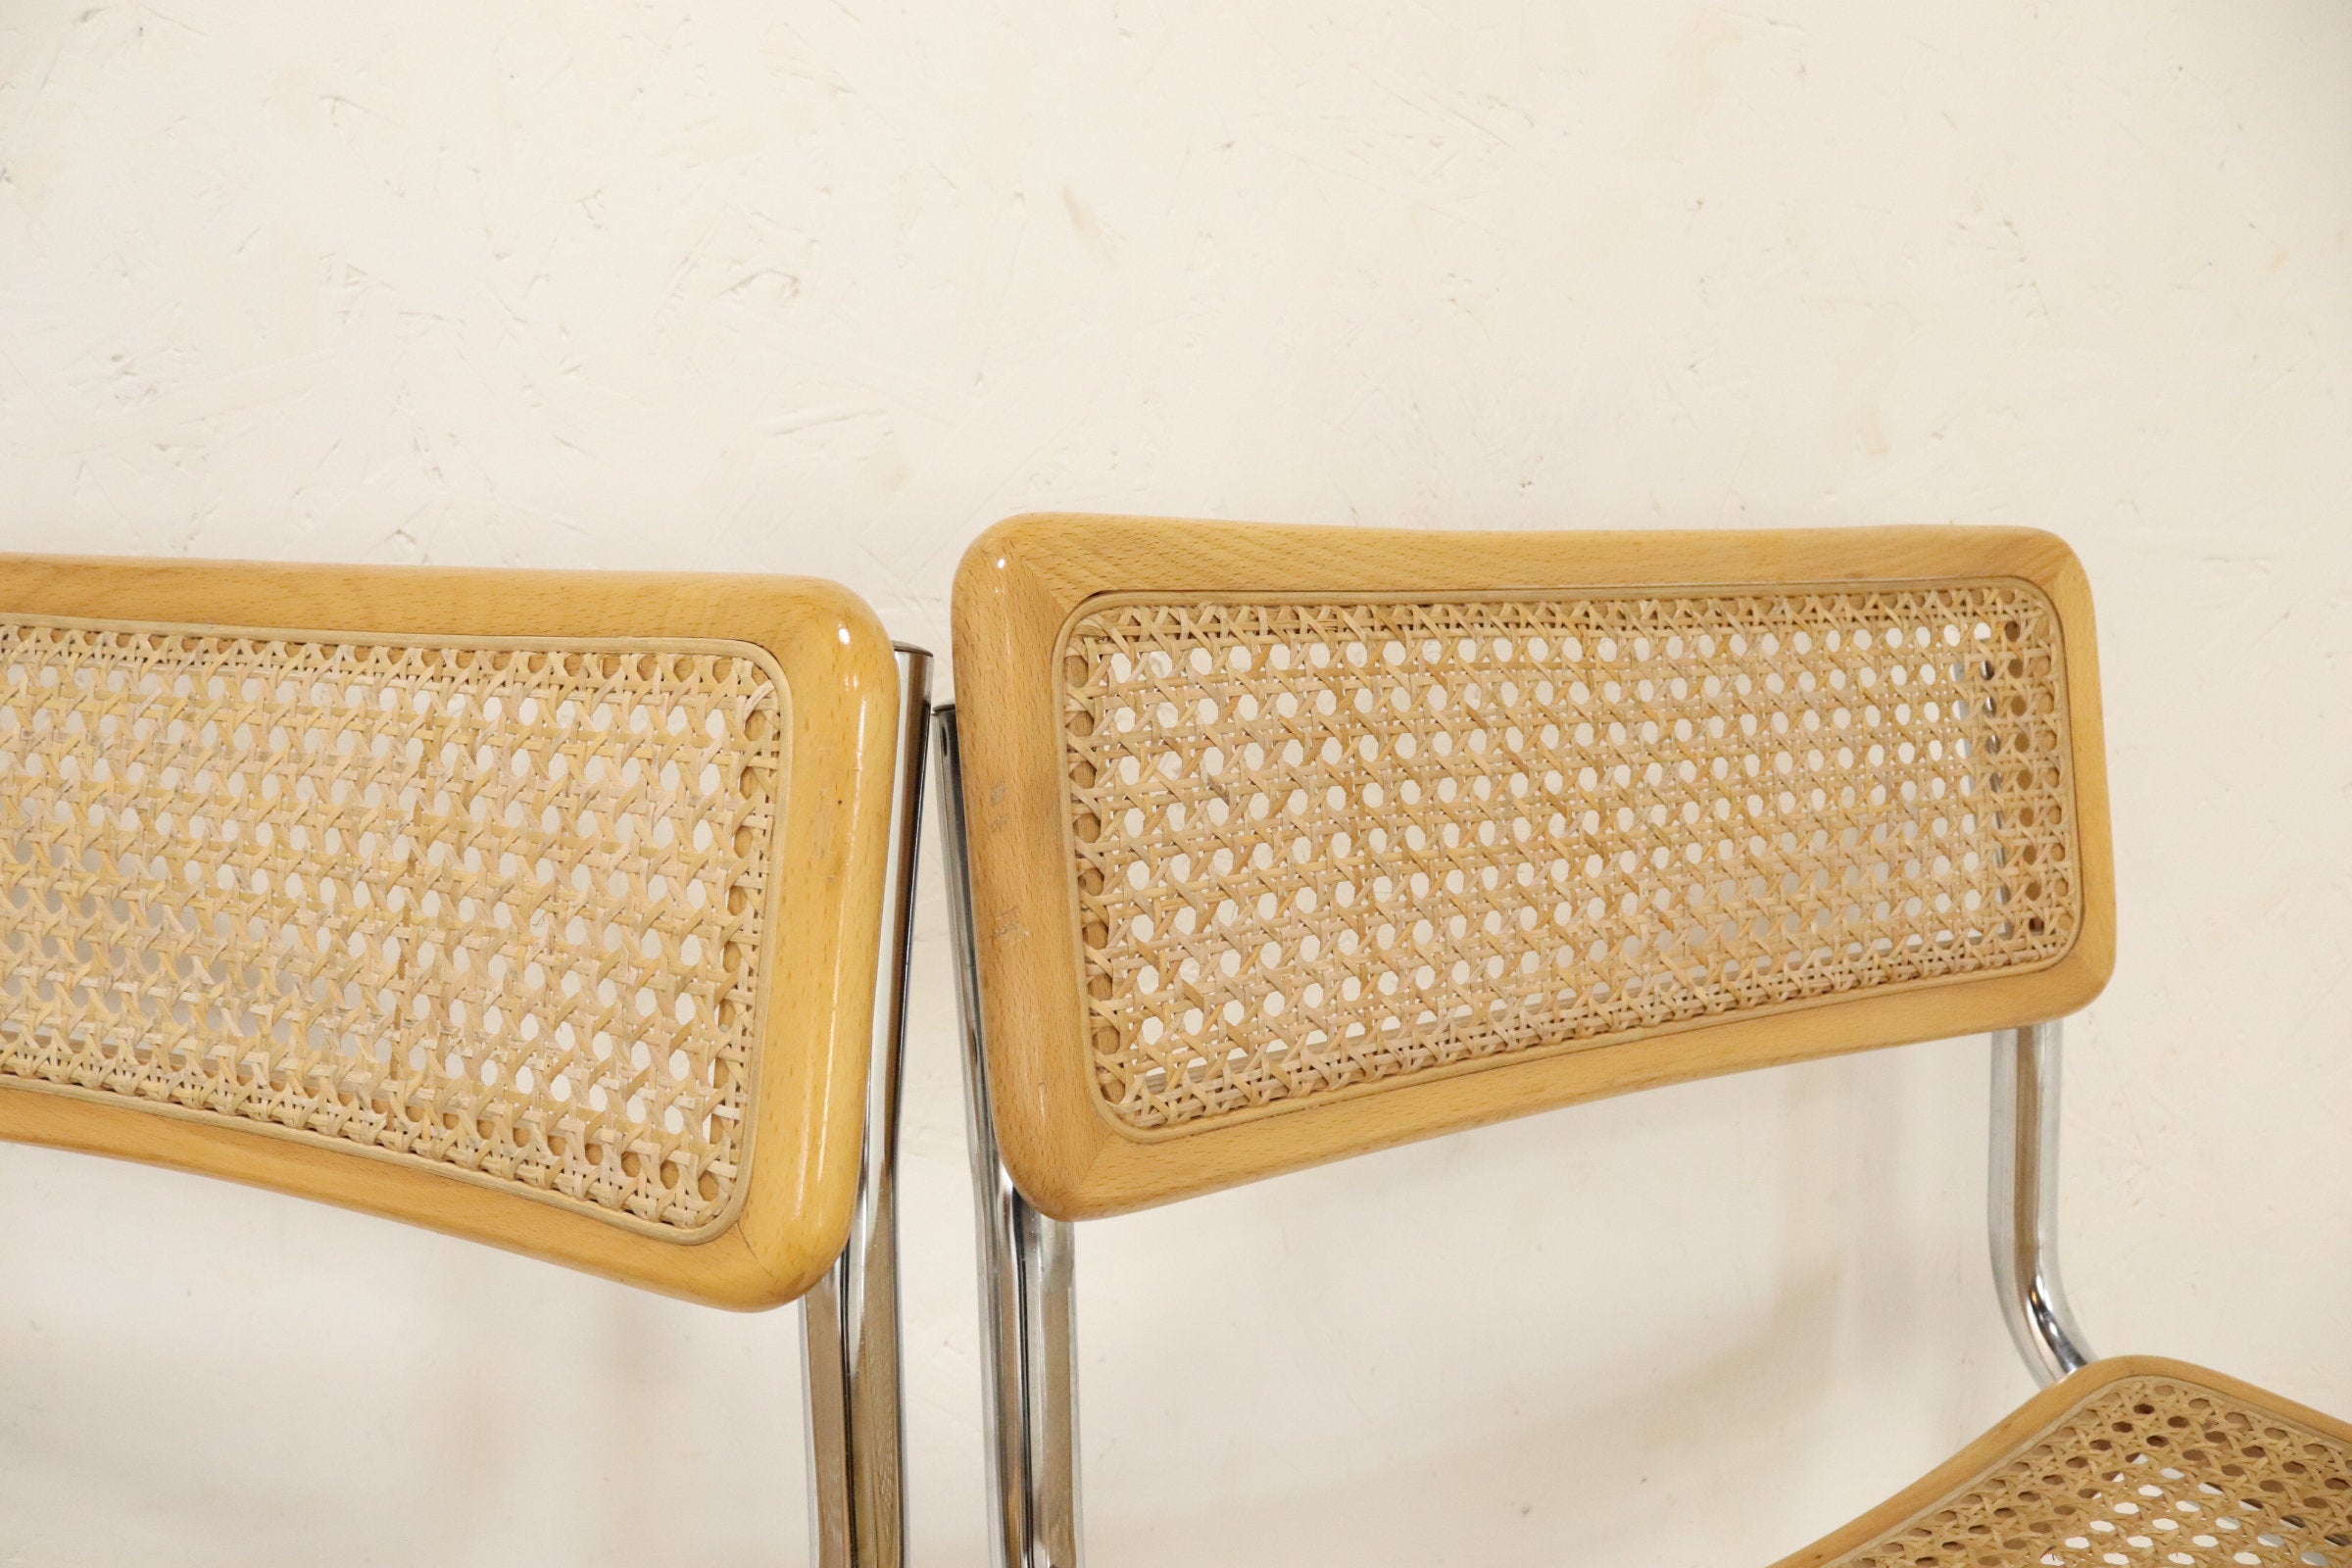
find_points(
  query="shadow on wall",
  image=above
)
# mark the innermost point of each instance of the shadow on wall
(225, 1407)
(1444, 1306)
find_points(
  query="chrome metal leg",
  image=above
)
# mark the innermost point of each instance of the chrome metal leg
(2023, 1192)
(850, 1323)
(1025, 1272)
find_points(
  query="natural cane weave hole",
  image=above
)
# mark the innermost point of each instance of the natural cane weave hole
(2143, 1471)
(495, 908)
(1318, 846)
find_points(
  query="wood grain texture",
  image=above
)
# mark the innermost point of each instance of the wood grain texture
(779, 1214)
(1020, 596)
(2150, 1459)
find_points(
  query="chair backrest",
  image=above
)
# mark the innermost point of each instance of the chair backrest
(538, 908)
(1292, 843)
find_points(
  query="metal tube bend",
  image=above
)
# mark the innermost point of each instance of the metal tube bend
(2024, 1202)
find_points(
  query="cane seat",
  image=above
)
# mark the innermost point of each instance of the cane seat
(1290, 844)
(2131, 1460)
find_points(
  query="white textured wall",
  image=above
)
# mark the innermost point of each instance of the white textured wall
(754, 285)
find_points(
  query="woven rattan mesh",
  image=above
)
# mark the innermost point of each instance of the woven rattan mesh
(493, 909)
(2144, 1471)
(1320, 845)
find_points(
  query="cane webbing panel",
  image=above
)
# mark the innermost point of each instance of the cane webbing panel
(1321, 845)
(2146, 1470)
(494, 908)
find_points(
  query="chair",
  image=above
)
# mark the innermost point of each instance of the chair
(1273, 846)
(564, 911)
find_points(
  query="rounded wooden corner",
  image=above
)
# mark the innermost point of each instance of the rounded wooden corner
(810, 1113)
(793, 1209)
(1022, 581)
(737, 1276)
(2081, 977)
(994, 553)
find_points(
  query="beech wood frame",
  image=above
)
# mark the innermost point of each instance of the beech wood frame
(832, 846)
(1023, 583)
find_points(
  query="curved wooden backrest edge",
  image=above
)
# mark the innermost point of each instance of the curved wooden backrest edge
(1018, 591)
(836, 661)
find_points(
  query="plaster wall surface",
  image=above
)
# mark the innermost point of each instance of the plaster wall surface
(827, 288)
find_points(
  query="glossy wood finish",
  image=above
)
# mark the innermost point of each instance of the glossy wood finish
(1022, 589)
(825, 886)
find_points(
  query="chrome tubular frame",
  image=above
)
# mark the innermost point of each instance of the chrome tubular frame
(1025, 1270)
(2024, 1202)
(850, 1323)
(1025, 1257)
